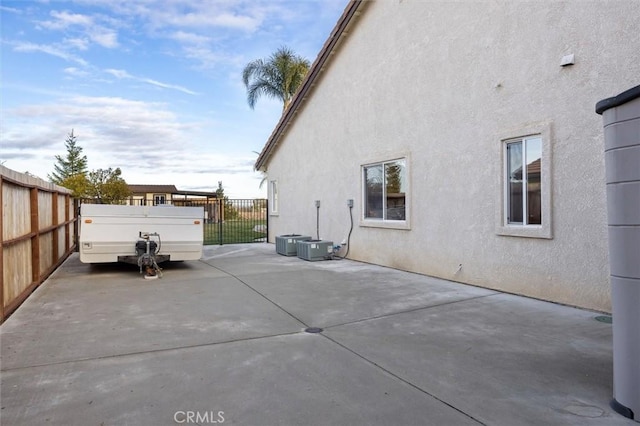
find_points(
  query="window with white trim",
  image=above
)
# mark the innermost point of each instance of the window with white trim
(523, 190)
(385, 191)
(273, 196)
(524, 209)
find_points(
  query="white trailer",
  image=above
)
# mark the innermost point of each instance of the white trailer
(113, 233)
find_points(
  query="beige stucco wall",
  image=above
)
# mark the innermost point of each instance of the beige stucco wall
(442, 83)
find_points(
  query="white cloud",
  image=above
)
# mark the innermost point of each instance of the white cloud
(63, 20)
(206, 57)
(112, 120)
(88, 27)
(118, 73)
(145, 139)
(115, 131)
(168, 86)
(49, 50)
(188, 37)
(236, 15)
(77, 43)
(195, 47)
(209, 19)
(122, 74)
(10, 10)
(104, 37)
(75, 72)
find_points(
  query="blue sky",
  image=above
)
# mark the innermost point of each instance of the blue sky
(151, 86)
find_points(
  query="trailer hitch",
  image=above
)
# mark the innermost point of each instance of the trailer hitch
(146, 250)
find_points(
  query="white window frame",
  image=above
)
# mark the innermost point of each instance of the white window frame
(273, 197)
(386, 223)
(544, 230)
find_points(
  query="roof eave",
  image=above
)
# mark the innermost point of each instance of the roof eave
(316, 69)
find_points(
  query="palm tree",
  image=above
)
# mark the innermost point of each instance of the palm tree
(278, 77)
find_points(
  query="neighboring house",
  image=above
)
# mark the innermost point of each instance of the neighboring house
(426, 114)
(152, 195)
(156, 195)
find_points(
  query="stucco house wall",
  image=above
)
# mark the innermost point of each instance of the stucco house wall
(443, 84)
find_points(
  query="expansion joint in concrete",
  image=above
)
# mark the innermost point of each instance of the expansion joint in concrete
(405, 311)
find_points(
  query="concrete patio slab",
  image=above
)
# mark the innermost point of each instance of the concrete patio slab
(295, 379)
(111, 310)
(222, 340)
(330, 293)
(501, 359)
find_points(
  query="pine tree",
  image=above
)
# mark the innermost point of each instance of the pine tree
(230, 211)
(73, 164)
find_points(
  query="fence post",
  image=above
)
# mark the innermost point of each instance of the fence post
(35, 236)
(76, 225)
(55, 221)
(220, 215)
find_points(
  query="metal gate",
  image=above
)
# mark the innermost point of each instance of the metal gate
(234, 221)
(226, 221)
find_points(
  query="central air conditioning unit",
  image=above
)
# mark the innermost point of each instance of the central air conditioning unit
(315, 249)
(286, 244)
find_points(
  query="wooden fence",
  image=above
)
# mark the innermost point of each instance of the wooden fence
(37, 219)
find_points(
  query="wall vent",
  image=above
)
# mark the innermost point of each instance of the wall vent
(315, 249)
(286, 244)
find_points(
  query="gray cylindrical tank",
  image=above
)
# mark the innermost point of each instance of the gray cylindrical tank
(621, 116)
